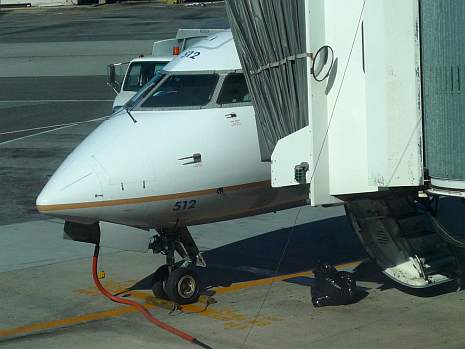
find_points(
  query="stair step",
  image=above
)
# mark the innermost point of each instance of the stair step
(401, 207)
(416, 225)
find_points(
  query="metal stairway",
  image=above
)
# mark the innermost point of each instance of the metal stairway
(402, 238)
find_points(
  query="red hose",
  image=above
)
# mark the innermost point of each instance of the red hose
(140, 307)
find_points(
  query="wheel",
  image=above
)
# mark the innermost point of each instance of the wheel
(158, 282)
(158, 289)
(182, 286)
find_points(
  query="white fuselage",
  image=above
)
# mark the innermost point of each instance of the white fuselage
(145, 173)
(130, 173)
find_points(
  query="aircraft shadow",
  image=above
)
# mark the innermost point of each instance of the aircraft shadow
(280, 252)
(293, 250)
(283, 251)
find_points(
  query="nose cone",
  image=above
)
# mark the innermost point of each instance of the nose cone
(73, 187)
(75, 192)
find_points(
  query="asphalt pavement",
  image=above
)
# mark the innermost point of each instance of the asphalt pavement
(134, 20)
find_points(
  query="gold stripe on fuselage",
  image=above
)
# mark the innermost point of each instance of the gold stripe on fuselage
(132, 201)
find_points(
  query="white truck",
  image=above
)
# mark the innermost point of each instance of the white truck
(126, 82)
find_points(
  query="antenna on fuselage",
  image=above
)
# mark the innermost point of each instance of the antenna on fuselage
(130, 115)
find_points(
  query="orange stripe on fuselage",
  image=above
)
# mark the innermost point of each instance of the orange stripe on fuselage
(132, 201)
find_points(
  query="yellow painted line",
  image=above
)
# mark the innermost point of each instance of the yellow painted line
(131, 201)
(230, 317)
(151, 302)
(41, 326)
(260, 282)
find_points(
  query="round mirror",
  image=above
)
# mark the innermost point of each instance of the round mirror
(322, 63)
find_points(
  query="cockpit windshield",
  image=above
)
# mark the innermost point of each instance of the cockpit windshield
(189, 90)
(145, 90)
(140, 73)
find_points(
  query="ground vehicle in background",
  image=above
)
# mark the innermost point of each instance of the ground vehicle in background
(127, 78)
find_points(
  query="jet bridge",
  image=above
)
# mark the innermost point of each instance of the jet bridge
(364, 103)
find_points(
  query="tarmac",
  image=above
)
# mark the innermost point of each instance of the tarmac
(258, 276)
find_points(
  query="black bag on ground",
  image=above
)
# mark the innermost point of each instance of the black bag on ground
(332, 287)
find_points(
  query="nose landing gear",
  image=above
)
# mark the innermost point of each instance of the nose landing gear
(177, 281)
(182, 286)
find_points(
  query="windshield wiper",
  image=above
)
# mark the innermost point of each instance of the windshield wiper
(141, 94)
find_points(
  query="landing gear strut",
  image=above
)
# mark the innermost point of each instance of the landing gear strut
(177, 281)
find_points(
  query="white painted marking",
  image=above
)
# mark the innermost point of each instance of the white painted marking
(50, 126)
(35, 134)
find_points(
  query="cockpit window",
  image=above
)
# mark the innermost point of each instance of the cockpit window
(183, 91)
(145, 90)
(140, 73)
(234, 90)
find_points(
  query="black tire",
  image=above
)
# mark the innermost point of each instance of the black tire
(158, 289)
(182, 286)
(158, 282)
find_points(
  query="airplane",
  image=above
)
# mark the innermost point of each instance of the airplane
(183, 151)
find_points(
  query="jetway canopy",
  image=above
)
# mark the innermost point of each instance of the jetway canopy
(274, 54)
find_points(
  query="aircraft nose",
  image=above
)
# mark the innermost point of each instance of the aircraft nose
(72, 187)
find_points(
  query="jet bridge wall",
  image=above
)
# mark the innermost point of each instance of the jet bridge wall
(443, 60)
(364, 120)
